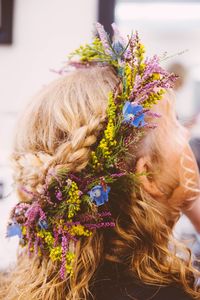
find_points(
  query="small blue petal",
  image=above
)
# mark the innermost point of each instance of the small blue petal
(118, 47)
(14, 229)
(127, 109)
(108, 189)
(138, 121)
(133, 114)
(99, 195)
(136, 109)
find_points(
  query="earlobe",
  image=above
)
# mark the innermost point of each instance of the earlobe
(147, 182)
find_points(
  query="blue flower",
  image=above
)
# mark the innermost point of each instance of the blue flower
(99, 194)
(133, 114)
(14, 229)
(118, 48)
(43, 224)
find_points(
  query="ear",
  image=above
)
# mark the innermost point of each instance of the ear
(147, 182)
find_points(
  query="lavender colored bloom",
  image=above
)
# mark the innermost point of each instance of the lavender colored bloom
(99, 225)
(118, 36)
(21, 208)
(105, 214)
(104, 38)
(59, 195)
(34, 213)
(133, 114)
(127, 54)
(14, 229)
(36, 244)
(99, 195)
(153, 114)
(144, 85)
(65, 245)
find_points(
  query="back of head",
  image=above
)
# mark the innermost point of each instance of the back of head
(62, 123)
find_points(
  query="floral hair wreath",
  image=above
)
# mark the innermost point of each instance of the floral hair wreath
(73, 206)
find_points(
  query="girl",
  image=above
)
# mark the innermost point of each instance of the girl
(100, 189)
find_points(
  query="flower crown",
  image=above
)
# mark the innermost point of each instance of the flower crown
(72, 206)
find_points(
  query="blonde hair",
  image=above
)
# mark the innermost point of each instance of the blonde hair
(59, 128)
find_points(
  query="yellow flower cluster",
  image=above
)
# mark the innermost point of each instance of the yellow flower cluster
(111, 111)
(56, 253)
(129, 80)
(94, 160)
(90, 52)
(74, 200)
(97, 43)
(47, 236)
(23, 230)
(140, 56)
(153, 99)
(155, 76)
(69, 262)
(108, 141)
(80, 231)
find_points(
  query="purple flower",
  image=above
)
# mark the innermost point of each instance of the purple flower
(104, 38)
(59, 195)
(65, 246)
(14, 229)
(34, 213)
(117, 36)
(99, 194)
(133, 114)
(20, 209)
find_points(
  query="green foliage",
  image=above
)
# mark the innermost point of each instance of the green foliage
(91, 52)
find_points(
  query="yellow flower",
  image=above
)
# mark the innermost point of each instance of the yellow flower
(69, 262)
(23, 230)
(140, 57)
(47, 236)
(74, 200)
(56, 253)
(108, 141)
(155, 76)
(129, 80)
(79, 230)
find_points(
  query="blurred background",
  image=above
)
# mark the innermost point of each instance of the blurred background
(37, 35)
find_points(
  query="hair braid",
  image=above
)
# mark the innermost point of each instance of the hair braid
(74, 154)
(32, 168)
